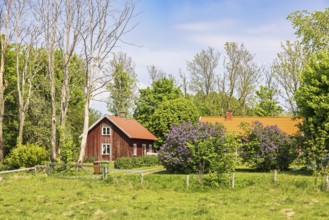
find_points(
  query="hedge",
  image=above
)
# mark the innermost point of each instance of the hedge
(136, 162)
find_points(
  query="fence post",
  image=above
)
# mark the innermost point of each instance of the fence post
(327, 183)
(275, 176)
(233, 180)
(187, 181)
(105, 172)
(142, 177)
(35, 170)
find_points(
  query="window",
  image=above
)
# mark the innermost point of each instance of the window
(150, 148)
(144, 149)
(106, 130)
(106, 149)
(135, 150)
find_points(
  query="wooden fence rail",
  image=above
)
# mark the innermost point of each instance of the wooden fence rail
(18, 170)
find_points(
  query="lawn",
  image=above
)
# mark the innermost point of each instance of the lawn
(162, 196)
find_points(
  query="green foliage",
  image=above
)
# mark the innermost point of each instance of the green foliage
(26, 156)
(267, 105)
(313, 101)
(169, 113)
(136, 162)
(214, 155)
(37, 123)
(152, 97)
(121, 89)
(312, 28)
(67, 147)
(90, 160)
(209, 105)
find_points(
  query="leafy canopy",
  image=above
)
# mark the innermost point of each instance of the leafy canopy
(172, 112)
(151, 97)
(313, 101)
(267, 105)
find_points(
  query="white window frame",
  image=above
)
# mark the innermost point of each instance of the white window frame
(150, 148)
(107, 146)
(106, 130)
(144, 149)
(135, 150)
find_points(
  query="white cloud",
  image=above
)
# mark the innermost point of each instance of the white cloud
(206, 26)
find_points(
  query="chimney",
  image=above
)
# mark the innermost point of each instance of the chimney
(122, 114)
(229, 115)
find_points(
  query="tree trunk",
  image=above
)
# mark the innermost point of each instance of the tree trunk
(85, 130)
(53, 109)
(2, 110)
(2, 91)
(4, 42)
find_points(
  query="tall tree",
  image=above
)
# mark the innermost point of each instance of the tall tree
(49, 12)
(312, 28)
(172, 112)
(105, 26)
(6, 12)
(155, 73)
(240, 76)
(27, 59)
(151, 97)
(123, 86)
(202, 70)
(69, 39)
(288, 66)
(313, 102)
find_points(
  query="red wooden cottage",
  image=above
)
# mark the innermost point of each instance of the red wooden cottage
(111, 137)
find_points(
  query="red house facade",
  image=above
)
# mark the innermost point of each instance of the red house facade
(112, 137)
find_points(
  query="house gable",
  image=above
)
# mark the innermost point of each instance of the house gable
(118, 139)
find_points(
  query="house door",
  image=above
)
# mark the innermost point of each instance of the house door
(144, 149)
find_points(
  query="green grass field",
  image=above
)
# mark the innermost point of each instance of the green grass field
(162, 196)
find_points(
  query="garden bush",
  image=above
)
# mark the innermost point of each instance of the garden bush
(267, 147)
(198, 148)
(27, 155)
(136, 162)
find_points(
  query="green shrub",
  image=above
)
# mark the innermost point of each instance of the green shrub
(90, 160)
(267, 148)
(151, 161)
(26, 156)
(136, 162)
(2, 167)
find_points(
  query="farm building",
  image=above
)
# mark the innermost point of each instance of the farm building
(117, 136)
(287, 124)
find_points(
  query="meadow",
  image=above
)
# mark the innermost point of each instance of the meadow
(161, 196)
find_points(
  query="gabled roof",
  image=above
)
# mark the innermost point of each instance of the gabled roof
(287, 124)
(132, 128)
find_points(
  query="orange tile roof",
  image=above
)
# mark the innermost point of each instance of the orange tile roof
(287, 124)
(132, 128)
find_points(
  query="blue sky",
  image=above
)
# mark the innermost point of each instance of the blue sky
(170, 32)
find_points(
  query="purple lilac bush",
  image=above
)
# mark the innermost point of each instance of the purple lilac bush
(175, 153)
(267, 147)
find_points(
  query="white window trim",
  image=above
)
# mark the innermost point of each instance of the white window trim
(144, 149)
(105, 145)
(108, 128)
(135, 150)
(150, 148)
